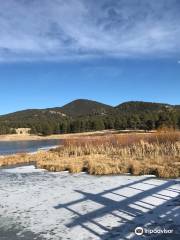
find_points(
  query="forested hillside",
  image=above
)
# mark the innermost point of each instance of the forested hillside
(85, 115)
(82, 107)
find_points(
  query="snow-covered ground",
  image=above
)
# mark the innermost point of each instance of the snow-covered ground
(36, 204)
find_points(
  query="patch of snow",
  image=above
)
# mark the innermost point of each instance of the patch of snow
(79, 206)
(23, 169)
(47, 148)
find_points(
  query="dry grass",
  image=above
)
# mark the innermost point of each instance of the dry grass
(151, 153)
(15, 159)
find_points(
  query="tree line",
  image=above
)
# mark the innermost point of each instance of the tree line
(47, 125)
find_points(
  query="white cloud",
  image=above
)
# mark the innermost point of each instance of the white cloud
(58, 29)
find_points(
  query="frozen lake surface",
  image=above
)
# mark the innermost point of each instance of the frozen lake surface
(12, 147)
(36, 204)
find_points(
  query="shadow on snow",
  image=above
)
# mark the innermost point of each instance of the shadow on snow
(150, 206)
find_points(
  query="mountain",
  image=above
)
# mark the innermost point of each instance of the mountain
(139, 107)
(177, 107)
(83, 107)
(25, 115)
(87, 115)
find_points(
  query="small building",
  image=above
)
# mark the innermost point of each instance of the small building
(23, 131)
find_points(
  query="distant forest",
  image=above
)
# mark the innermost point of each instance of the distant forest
(86, 115)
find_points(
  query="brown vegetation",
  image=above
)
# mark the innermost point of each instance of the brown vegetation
(151, 153)
(15, 159)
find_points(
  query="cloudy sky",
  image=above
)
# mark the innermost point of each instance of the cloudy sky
(61, 29)
(112, 41)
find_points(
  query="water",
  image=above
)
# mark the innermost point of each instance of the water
(13, 147)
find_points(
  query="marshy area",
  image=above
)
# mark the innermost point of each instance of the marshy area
(155, 153)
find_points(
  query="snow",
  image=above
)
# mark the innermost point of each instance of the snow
(47, 148)
(23, 169)
(64, 206)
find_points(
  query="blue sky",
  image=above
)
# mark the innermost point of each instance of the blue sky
(52, 52)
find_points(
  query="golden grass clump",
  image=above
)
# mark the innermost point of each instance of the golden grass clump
(168, 172)
(15, 159)
(103, 165)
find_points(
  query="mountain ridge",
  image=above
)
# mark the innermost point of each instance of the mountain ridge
(61, 108)
(88, 115)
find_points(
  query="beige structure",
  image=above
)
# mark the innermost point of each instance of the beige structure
(23, 131)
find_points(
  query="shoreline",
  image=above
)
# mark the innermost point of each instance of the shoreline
(28, 137)
(13, 138)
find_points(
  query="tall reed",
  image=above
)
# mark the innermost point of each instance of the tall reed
(150, 153)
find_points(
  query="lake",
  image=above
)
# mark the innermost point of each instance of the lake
(13, 147)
